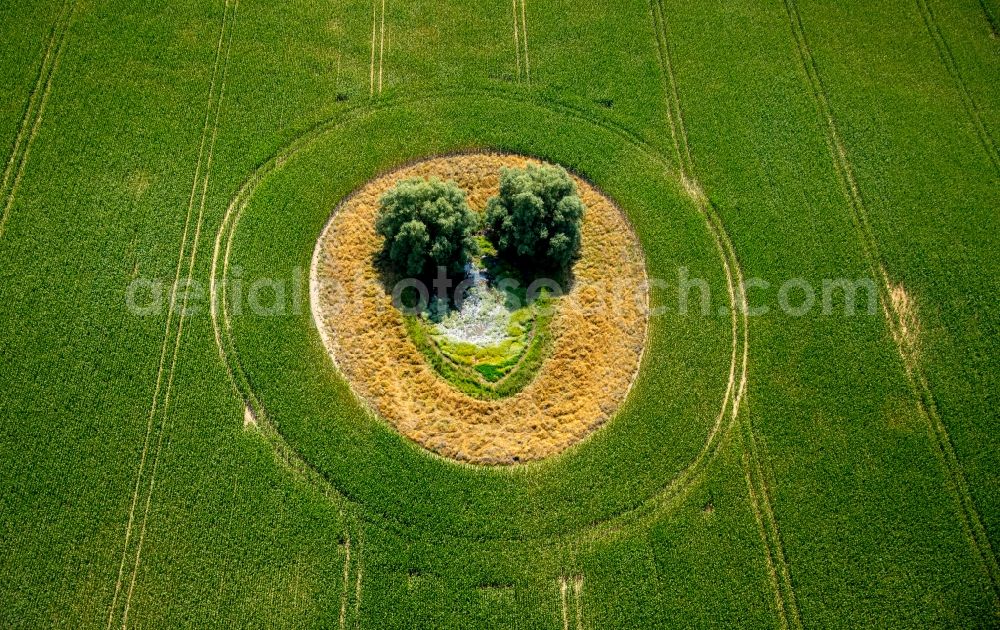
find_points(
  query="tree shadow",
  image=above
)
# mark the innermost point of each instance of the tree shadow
(522, 284)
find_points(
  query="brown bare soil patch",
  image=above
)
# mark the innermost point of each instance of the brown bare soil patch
(599, 330)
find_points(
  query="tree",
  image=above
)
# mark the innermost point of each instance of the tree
(536, 217)
(426, 224)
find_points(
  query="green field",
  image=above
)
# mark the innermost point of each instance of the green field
(207, 465)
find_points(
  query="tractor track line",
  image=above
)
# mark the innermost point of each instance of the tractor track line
(357, 588)
(381, 49)
(371, 71)
(772, 572)
(666, 76)
(563, 588)
(578, 600)
(30, 112)
(761, 501)
(777, 563)
(524, 39)
(29, 108)
(346, 580)
(790, 599)
(678, 130)
(948, 61)
(944, 447)
(351, 615)
(171, 309)
(654, 568)
(166, 334)
(734, 279)
(761, 497)
(165, 425)
(34, 111)
(517, 41)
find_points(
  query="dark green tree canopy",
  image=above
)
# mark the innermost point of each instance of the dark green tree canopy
(536, 217)
(426, 224)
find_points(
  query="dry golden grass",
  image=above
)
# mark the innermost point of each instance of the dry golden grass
(907, 336)
(599, 331)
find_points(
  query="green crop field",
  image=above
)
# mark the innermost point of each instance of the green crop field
(170, 457)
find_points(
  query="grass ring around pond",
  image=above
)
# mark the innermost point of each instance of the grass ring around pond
(557, 371)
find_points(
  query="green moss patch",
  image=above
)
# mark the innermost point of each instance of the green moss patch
(492, 371)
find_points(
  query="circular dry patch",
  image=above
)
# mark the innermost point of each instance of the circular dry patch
(598, 329)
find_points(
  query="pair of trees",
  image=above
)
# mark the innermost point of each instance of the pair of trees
(534, 221)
